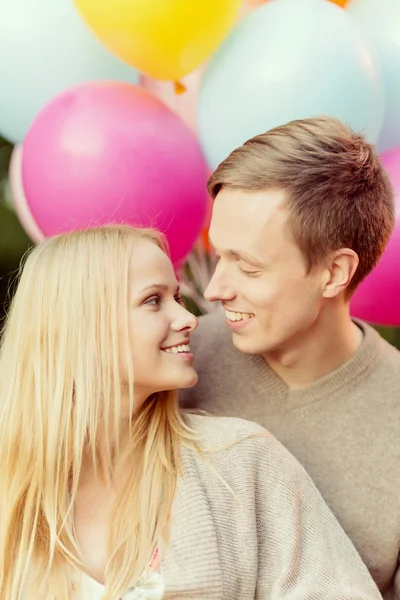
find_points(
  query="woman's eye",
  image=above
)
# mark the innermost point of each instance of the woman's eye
(154, 301)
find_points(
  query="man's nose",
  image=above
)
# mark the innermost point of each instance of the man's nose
(219, 288)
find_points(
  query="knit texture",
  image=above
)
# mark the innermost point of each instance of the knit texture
(249, 524)
(344, 429)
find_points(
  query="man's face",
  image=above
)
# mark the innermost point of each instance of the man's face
(261, 277)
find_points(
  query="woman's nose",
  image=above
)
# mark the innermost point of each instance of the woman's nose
(184, 320)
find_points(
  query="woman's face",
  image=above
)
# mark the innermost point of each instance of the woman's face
(159, 325)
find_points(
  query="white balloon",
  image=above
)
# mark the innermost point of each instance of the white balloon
(380, 21)
(17, 193)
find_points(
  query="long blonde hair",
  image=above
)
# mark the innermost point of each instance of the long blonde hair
(60, 382)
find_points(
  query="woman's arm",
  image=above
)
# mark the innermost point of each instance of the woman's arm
(304, 553)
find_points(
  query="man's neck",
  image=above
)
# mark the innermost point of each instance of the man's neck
(332, 341)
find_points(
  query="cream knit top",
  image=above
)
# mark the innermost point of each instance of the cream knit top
(248, 524)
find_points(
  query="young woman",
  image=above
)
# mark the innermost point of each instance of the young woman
(107, 490)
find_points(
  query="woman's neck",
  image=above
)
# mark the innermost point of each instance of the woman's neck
(109, 464)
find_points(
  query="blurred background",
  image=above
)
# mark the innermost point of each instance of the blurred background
(13, 239)
(14, 242)
(97, 127)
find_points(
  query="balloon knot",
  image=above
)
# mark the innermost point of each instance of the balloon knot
(179, 87)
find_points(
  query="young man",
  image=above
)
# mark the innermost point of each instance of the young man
(301, 215)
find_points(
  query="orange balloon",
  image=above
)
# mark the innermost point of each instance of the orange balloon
(204, 234)
(254, 3)
(251, 4)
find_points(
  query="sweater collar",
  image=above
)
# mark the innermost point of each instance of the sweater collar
(357, 366)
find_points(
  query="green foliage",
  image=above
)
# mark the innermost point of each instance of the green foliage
(391, 334)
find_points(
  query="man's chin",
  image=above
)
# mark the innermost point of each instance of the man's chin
(245, 344)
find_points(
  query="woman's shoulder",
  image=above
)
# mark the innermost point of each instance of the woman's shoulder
(240, 449)
(245, 439)
(213, 430)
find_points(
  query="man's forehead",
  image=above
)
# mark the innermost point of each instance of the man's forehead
(248, 215)
(257, 199)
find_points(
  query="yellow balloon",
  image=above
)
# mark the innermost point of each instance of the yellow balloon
(166, 39)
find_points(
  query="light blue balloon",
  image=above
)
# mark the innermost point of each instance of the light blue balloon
(45, 47)
(288, 59)
(380, 19)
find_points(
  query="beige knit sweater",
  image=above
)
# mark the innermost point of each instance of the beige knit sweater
(269, 537)
(344, 429)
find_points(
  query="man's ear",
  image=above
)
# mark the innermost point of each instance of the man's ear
(341, 268)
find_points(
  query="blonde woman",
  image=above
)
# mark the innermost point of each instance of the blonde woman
(107, 490)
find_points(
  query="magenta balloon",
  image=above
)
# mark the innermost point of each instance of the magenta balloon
(377, 300)
(112, 153)
(18, 195)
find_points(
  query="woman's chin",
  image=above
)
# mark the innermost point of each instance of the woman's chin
(192, 381)
(187, 381)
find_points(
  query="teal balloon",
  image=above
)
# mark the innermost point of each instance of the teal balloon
(380, 20)
(288, 59)
(46, 48)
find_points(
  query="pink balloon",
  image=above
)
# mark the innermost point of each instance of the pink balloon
(19, 198)
(110, 152)
(377, 300)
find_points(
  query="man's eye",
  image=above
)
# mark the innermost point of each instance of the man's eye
(248, 273)
(179, 299)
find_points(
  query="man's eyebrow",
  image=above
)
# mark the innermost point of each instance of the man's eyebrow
(246, 257)
(240, 255)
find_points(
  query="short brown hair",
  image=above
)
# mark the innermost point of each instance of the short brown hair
(338, 193)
